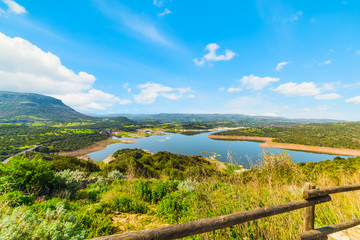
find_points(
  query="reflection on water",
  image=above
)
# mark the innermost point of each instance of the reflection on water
(244, 152)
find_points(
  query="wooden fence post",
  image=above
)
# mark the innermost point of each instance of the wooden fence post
(309, 216)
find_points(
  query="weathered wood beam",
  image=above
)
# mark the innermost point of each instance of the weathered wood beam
(211, 224)
(330, 190)
(323, 232)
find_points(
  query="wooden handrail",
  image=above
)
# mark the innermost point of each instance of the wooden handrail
(211, 224)
(323, 232)
(329, 190)
(312, 197)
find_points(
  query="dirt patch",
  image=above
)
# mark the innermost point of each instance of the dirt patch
(108, 159)
(298, 147)
(243, 138)
(96, 147)
(127, 141)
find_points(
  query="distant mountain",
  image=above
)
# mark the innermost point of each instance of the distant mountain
(188, 117)
(30, 107)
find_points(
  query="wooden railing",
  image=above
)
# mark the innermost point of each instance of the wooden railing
(312, 196)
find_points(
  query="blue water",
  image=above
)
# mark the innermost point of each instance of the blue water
(245, 153)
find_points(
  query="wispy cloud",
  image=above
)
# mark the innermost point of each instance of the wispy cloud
(355, 100)
(330, 96)
(294, 89)
(234, 89)
(256, 83)
(140, 25)
(165, 12)
(280, 66)
(213, 57)
(327, 62)
(160, 3)
(151, 91)
(295, 16)
(14, 7)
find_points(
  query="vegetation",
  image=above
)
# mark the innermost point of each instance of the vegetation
(335, 135)
(30, 107)
(62, 203)
(16, 138)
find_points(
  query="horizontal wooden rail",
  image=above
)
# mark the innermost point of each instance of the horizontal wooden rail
(323, 232)
(211, 224)
(330, 190)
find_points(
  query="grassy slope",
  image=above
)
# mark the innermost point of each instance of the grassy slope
(134, 204)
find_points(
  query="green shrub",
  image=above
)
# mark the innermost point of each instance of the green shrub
(28, 176)
(175, 206)
(24, 223)
(115, 175)
(17, 198)
(161, 188)
(66, 183)
(142, 190)
(188, 185)
(129, 205)
(96, 224)
(122, 204)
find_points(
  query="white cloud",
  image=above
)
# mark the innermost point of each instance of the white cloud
(221, 89)
(160, 3)
(14, 7)
(213, 57)
(26, 68)
(150, 91)
(357, 52)
(165, 12)
(125, 85)
(92, 100)
(200, 62)
(232, 89)
(295, 16)
(325, 62)
(294, 89)
(330, 96)
(256, 83)
(269, 114)
(355, 100)
(328, 86)
(280, 66)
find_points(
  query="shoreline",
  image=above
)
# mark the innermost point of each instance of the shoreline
(95, 147)
(267, 142)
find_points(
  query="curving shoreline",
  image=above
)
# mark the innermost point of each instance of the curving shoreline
(95, 147)
(267, 142)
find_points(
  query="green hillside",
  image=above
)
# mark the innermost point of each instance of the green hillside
(30, 107)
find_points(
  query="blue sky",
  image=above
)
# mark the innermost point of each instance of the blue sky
(296, 59)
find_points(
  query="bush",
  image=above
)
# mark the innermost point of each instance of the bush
(66, 183)
(115, 175)
(123, 204)
(175, 206)
(96, 224)
(24, 223)
(142, 190)
(188, 185)
(94, 191)
(17, 198)
(129, 205)
(28, 176)
(160, 189)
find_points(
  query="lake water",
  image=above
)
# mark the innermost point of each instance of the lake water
(245, 152)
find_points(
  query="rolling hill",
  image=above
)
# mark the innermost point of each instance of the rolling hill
(29, 107)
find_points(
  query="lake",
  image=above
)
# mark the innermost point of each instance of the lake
(244, 152)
